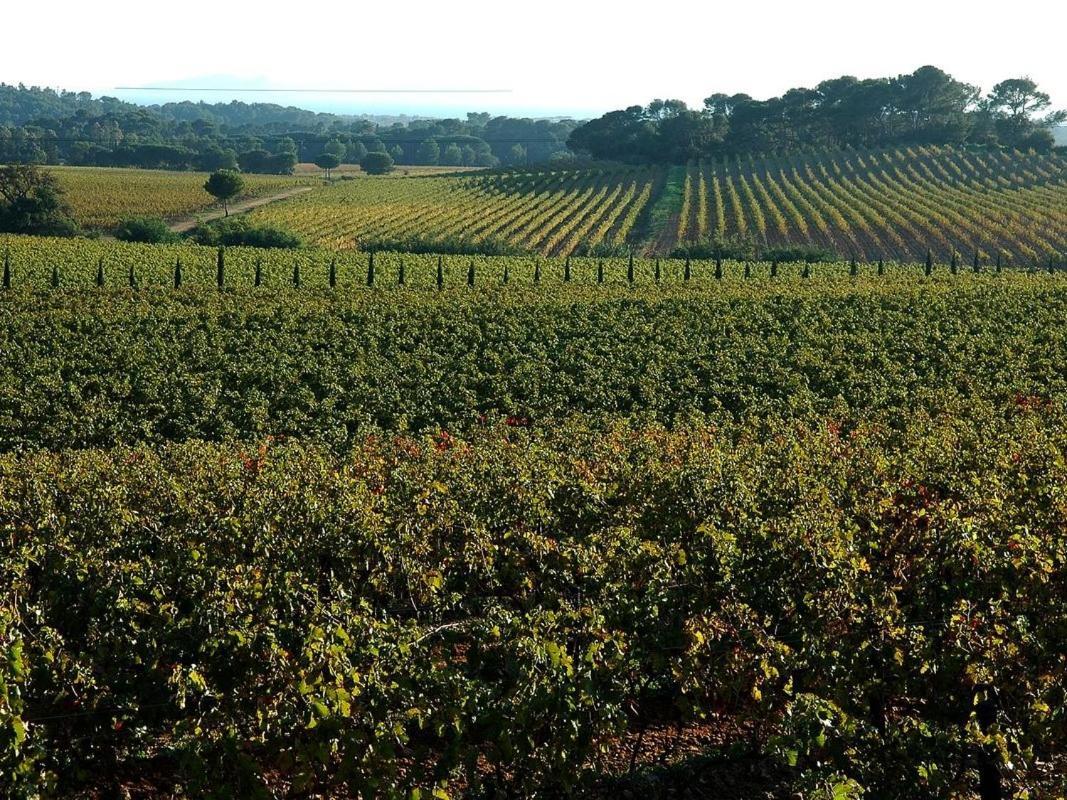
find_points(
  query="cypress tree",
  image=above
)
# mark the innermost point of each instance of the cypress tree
(296, 275)
(955, 262)
(537, 271)
(7, 269)
(470, 273)
(718, 269)
(999, 255)
(440, 274)
(658, 273)
(929, 262)
(370, 269)
(599, 271)
(881, 267)
(567, 269)
(976, 266)
(853, 267)
(507, 273)
(333, 273)
(55, 276)
(401, 276)
(132, 278)
(1051, 264)
(774, 267)
(100, 272)
(259, 272)
(807, 270)
(220, 268)
(688, 269)
(748, 269)
(630, 268)
(178, 274)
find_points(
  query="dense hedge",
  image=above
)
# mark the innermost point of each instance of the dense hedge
(104, 367)
(887, 604)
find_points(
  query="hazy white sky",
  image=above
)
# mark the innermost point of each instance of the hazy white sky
(557, 57)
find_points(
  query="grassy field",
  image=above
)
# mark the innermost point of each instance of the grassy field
(101, 196)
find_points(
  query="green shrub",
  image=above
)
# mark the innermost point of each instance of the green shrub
(149, 230)
(239, 231)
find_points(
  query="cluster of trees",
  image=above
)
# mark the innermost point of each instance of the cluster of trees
(31, 201)
(49, 127)
(928, 106)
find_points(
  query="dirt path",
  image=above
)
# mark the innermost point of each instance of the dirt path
(187, 223)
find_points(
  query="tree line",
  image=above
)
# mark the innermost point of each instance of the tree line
(47, 127)
(928, 106)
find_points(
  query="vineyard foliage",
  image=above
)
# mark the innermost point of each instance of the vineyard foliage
(114, 365)
(425, 616)
(100, 197)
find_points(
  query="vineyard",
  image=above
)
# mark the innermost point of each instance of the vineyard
(545, 212)
(888, 204)
(577, 520)
(100, 197)
(894, 204)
